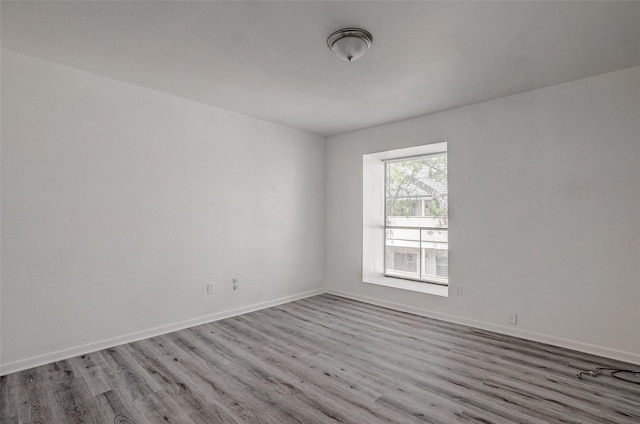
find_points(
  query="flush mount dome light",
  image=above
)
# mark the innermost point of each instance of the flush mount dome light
(350, 44)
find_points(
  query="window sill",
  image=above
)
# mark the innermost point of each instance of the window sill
(415, 286)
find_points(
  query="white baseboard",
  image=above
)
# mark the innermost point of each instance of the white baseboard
(524, 334)
(34, 361)
(59, 355)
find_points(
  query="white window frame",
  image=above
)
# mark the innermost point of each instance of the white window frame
(373, 220)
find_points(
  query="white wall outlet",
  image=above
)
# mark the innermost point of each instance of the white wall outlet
(458, 290)
(513, 318)
(235, 284)
(209, 288)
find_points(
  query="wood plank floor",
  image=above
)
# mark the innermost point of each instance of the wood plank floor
(323, 359)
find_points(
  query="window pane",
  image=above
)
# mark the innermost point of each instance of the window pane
(442, 263)
(402, 252)
(435, 253)
(416, 192)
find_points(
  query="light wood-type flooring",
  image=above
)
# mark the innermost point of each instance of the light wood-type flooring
(324, 359)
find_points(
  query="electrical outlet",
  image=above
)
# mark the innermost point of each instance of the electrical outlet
(235, 284)
(513, 318)
(209, 288)
(458, 290)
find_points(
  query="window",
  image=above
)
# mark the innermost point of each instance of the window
(416, 218)
(405, 223)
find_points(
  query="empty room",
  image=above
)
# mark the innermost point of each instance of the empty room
(239, 212)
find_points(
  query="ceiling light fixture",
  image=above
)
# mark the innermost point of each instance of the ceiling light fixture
(350, 44)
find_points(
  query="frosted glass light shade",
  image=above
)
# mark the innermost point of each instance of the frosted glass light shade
(350, 44)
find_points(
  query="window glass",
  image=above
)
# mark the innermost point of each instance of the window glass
(416, 218)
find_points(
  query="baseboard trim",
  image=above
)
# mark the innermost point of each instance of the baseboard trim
(34, 361)
(59, 355)
(606, 352)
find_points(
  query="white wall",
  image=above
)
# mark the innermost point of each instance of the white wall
(120, 203)
(544, 213)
